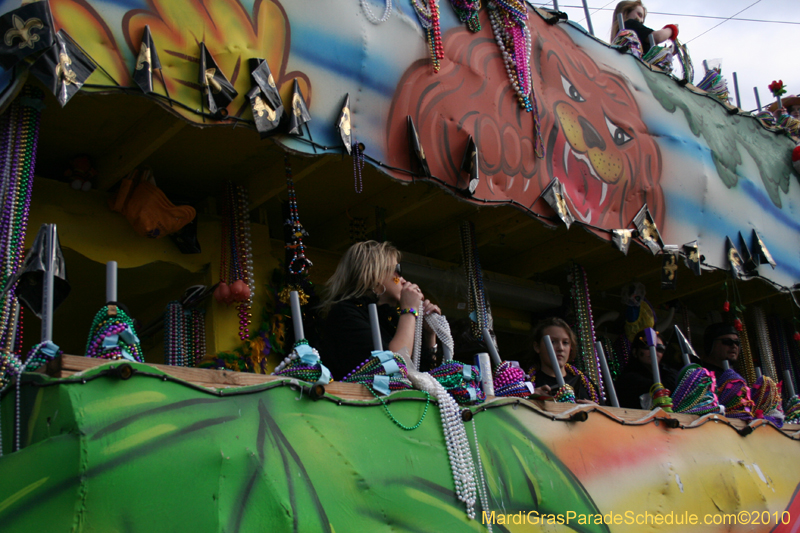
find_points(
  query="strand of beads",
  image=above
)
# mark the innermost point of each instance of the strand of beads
(358, 167)
(174, 334)
(198, 317)
(458, 450)
(112, 336)
(509, 380)
(475, 292)
(565, 394)
(734, 395)
(660, 397)
(766, 396)
(745, 364)
(387, 12)
(483, 491)
(467, 11)
(781, 349)
(416, 351)
(245, 254)
(762, 338)
(366, 372)
(299, 262)
(792, 411)
(428, 15)
(18, 148)
(587, 355)
(587, 384)
(695, 392)
(461, 381)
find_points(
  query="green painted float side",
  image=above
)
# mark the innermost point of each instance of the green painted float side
(146, 454)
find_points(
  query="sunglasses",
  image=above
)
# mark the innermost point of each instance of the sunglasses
(398, 270)
(730, 342)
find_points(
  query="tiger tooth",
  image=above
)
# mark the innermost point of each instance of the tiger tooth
(603, 195)
(567, 150)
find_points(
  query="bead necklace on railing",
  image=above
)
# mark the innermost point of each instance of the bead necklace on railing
(587, 355)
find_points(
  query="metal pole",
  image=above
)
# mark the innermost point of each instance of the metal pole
(551, 353)
(555, 5)
(377, 343)
(736, 90)
(612, 394)
(111, 281)
(787, 376)
(620, 23)
(588, 17)
(758, 100)
(297, 316)
(47, 286)
(487, 338)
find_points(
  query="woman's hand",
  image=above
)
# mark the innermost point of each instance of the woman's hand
(544, 390)
(410, 296)
(428, 335)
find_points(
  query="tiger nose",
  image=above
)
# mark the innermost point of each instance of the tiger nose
(590, 135)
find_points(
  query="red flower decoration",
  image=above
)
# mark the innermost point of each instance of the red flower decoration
(777, 88)
(796, 336)
(738, 325)
(726, 307)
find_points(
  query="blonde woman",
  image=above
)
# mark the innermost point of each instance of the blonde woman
(369, 272)
(633, 14)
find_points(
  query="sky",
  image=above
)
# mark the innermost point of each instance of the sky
(758, 42)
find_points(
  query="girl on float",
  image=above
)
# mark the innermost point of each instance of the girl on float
(369, 272)
(633, 14)
(542, 374)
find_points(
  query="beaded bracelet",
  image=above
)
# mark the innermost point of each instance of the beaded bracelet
(409, 311)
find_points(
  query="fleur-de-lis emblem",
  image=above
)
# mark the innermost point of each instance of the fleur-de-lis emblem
(271, 81)
(24, 31)
(733, 257)
(561, 204)
(419, 146)
(63, 70)
(670, 267)
(261, 107)
(694, 257)
(624, 237)
(144, 57)
(211, 82)
(296, 109)
(649, 232)
(344, 123)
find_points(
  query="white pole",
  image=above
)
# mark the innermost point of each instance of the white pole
(297, 316)
(612, 394)
(377, 343)
(47, 286)
(111, 281)
(487, 338)
(553, 360)
(787, 376)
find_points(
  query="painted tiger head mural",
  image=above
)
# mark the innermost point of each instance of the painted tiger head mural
(594, 138)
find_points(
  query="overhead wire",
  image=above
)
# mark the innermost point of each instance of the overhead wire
(723, 22)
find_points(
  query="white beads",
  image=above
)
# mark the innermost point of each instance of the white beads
(387, 12)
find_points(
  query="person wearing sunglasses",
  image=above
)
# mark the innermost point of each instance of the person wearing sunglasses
(720, 343)
(633, 385)
(370, 272)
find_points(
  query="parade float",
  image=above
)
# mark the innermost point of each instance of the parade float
(499, 141)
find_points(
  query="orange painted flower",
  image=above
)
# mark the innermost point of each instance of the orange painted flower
(231, 33)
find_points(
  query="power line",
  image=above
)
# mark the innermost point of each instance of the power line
(723, 22)
(686, 15)
(596, 10)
